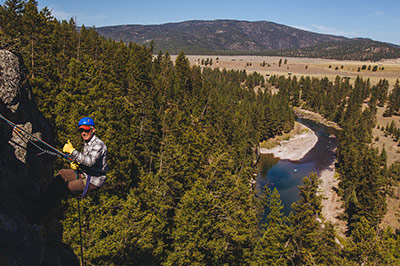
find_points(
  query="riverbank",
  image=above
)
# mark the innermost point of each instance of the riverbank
(294, 146)
(332, 204)
(306, 114)
(298, 143)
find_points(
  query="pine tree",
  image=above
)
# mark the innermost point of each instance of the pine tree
(11, 26)
(271, 248)
(364, 248)
(394, 100)
(311, 241)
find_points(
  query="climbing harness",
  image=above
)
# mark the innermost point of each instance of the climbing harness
(86, 182)
(87, 185)
(22, 134)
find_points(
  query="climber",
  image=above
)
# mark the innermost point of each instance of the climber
(92, 161)
(87, 173)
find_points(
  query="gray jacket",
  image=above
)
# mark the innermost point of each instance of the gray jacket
(93, 160)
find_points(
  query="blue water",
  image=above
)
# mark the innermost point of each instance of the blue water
(287, 175)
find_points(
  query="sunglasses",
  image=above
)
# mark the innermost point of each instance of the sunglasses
(84, 130)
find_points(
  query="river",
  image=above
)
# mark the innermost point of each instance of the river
(287, 175)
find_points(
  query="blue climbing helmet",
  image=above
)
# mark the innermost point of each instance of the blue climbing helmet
(86, 121)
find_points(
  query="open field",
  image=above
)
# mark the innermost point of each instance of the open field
(392, 149)
(388, 69)
(380, 140)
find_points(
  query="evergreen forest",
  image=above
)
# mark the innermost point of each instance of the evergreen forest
(182, 145)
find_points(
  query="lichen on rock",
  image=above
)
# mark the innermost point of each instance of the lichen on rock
(10, 79)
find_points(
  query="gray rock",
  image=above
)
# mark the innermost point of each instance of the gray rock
(10, 79)
(24, 175)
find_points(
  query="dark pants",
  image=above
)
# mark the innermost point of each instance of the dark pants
(64, 184)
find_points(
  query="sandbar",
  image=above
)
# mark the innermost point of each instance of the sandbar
(296, 147)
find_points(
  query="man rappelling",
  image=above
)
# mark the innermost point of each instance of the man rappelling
(87, 173)
(92, 161)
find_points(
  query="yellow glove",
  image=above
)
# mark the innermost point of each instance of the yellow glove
(74, 165)
(68, 147)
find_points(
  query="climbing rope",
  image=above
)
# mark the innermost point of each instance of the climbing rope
(26, 140)
(80, 231)
(79, 217)
(28, 137)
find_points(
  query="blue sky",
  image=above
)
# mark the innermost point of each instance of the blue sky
(378, 20)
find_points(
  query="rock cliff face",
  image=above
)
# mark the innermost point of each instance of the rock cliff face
(24, 175)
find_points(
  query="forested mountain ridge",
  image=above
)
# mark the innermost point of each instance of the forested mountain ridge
(244, 37)
(353, 49)
(217, 35)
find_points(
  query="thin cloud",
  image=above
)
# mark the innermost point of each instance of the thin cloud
(377, 14)
(301, 28)
(80, 18)
(89, 21)
(374, 14)
(325, 30)
(60, 14)
(333, 31)
(92, 18)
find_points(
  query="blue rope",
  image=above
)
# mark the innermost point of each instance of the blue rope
(15, 128)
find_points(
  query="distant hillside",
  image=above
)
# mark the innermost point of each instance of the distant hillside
(229, 35)
(352, 49)
(242, 37)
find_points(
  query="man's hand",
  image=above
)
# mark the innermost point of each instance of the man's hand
(74, 165)
(68, 147)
